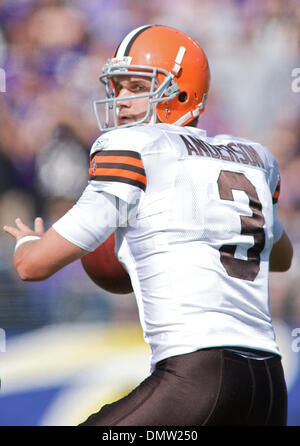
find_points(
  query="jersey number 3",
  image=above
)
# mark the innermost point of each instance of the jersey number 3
(243, 269)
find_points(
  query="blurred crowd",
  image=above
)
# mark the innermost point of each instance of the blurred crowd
(52, 52)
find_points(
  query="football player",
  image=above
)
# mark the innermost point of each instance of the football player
(196, 228)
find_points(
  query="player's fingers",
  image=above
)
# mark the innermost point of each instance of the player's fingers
(20, 225)
(12, 231)
(39, 226)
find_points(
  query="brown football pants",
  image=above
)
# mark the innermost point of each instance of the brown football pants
(209, 387)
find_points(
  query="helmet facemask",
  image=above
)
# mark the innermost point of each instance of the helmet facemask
(163, 88)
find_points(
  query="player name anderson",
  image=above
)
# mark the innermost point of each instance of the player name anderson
(239, 153)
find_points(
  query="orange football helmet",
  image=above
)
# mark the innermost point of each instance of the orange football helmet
(178, 69)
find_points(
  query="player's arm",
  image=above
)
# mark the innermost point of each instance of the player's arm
(282, 254)
(39, 259)
(110, 200)
(81, 230)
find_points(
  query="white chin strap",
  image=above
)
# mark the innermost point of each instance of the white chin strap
(192, 114)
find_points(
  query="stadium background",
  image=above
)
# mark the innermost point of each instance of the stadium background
(67, 347)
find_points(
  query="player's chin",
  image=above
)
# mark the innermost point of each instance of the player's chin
(124, 121)
(133, 120)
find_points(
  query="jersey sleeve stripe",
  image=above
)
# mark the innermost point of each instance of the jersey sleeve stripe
(119, 159)
(276, 193)
(123, 166)
(130, 153)
(121, 173)
(118, 165)
(115, 178)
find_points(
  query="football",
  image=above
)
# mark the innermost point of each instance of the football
(105, 270)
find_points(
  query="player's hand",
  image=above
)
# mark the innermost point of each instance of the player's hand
(21, 230)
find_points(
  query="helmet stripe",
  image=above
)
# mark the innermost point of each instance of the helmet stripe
(124, 47)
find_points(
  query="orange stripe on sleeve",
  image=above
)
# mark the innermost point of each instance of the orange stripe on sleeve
(120, 173)
(276, 192)
(119, 159)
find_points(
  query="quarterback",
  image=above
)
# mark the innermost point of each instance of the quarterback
(198, 239)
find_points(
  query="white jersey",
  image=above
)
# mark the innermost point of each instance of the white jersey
(197, 246)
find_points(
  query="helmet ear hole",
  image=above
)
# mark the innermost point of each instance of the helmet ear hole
(182, 97)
